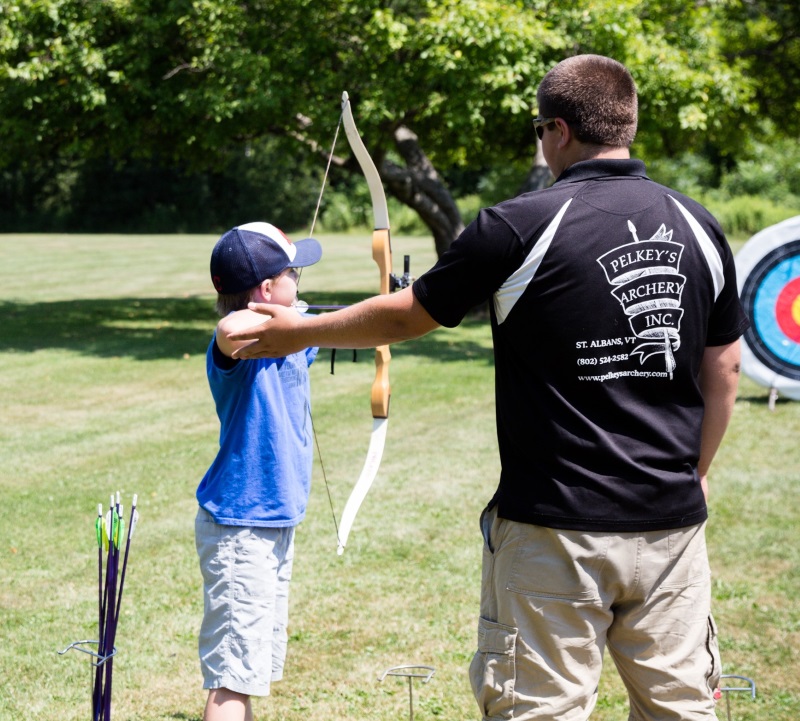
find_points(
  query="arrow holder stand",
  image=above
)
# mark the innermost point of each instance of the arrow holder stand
(750, 688)
(410, 672)
(79, 646)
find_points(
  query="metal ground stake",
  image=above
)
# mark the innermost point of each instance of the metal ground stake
(726, 690)
(410, 672)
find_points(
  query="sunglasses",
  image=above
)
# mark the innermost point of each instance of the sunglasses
(539, 125)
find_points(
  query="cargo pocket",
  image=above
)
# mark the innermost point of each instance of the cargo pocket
(493, 670)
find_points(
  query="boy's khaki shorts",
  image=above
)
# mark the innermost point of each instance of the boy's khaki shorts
(246, 574)
(553, 600)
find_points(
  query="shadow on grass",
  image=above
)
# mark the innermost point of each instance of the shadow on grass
(160, 328)
(763, 400)
(141, 328)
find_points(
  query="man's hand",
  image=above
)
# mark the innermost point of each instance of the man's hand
(276, 337)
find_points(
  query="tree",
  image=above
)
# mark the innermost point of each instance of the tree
(188, 79)
(455, 73)
(690, 96)
(763, 39)
(435, 84)
(53, 72)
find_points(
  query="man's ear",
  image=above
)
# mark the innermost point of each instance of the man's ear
(566, 133)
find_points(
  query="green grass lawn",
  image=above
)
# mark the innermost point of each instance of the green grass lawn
(102, 350)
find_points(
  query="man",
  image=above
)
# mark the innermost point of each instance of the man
(615, 323)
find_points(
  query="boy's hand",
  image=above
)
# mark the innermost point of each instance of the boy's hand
(274, 338)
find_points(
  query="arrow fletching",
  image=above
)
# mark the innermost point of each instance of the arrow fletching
(120, 532)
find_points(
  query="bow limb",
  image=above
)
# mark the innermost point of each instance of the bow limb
(381, 389)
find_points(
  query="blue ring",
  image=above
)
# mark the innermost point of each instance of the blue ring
(764, 337)
(764, 317)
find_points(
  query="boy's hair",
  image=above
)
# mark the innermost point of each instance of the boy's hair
(595, 95)
(230, 302)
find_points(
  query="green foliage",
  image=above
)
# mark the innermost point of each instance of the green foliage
(467, 77)
(470, 206)
(502, 181)
(52, 63)
(689, 173)
(742, 216)
(771, 170)
(690, 95)
(404, 220)
(183, 86)
(185, 79)
(260, 180)
(758, 191)
(345, 209)
(762, 38)
(342, 211)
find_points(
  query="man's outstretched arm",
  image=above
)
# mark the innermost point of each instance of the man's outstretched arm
(379, 320)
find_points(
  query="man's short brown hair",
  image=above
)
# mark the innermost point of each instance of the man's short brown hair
(595, 95)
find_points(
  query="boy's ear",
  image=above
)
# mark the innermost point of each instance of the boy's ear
(266, 288)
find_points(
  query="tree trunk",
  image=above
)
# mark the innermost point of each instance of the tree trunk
(539, 176)
(418, 186)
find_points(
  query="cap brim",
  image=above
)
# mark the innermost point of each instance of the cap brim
(309, 251)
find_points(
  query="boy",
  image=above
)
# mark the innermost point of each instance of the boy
(256, 490)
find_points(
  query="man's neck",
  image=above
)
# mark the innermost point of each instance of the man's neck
(578, 152)
(613, 153)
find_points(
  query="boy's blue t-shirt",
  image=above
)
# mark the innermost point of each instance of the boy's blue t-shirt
(262, 473)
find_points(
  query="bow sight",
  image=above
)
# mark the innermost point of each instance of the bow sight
(403, 281)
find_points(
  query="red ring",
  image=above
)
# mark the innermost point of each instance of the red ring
(787, 310)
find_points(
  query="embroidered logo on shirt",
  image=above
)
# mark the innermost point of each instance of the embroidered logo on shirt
(645, 280)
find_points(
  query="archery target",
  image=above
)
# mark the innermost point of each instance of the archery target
(768, 276)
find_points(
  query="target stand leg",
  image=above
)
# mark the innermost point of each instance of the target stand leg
(773, 398)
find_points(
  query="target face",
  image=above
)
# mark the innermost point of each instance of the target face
(768, 272)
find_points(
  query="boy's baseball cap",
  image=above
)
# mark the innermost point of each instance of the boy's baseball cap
(250, 253)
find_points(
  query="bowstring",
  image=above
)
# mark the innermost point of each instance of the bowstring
(325, 477)
(311, 234)
(325, 177)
